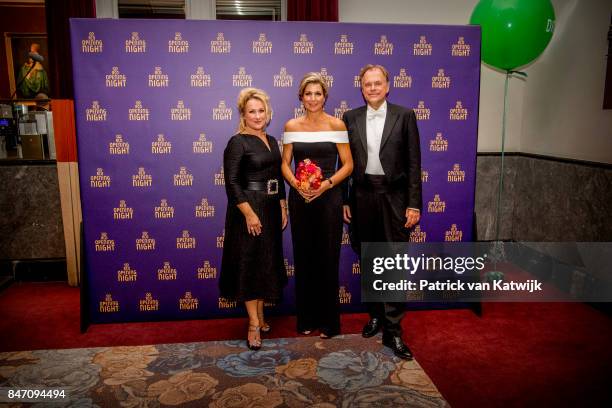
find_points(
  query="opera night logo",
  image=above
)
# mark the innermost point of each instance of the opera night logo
(226, 303)
(206, 271)
(145, 243)
(356, 82)
(188, 302)
(178, 45)
(104, 244)
(108, 305)
(158, 79)
(220, 45)
(346, 238)
(440, 81)
(242, 79)
(91, 45)
(123, 212)
(383, 47)
(422, 48)
(96, 113)
(283, 79)
(344, 296)
(222, 112)
(135, 44)
(303, 46)
(437, 205)
(458, 112)
(416, 235)
(299, 111)
(289, 268)
(119, 146)
(166, 272)
(138, 112)
(422, 113)
(328, 78)
(221, 239)
(142, 179)
(424, 176)
(460, 48)
(453, 234)
(161, 145)
(202, 145)
(402, 80)
(148, 304)
(220, 177)
(344, 46)
(456, 175)
(180, 112)
(356, 269)
(183, 179)
(341, 110)
(438, 144)
(262, 45)
(163, 210)
(115, 79)
(185, 241)
(100, 180)
(127, 274)
(200, 79)
(204, 210)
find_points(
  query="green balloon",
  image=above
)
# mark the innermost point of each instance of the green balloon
(514, 32)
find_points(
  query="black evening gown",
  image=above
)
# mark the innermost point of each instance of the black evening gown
(252, 267)
(316, 230)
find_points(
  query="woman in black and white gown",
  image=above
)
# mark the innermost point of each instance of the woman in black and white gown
(316, 215)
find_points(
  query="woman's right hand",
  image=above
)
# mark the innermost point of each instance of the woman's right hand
(305, 193)
(253, 224)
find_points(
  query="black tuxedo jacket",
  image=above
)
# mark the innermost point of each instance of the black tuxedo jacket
(400, 151)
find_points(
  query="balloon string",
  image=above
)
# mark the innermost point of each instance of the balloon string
(503, 143)
(521, 73)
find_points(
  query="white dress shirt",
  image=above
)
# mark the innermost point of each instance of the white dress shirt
(375, 121)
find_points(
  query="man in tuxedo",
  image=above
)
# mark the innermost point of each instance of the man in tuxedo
(384, 199)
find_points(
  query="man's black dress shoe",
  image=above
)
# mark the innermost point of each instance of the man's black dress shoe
(398, 347)
(371, 328)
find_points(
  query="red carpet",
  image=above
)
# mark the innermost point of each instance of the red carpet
(534, 354)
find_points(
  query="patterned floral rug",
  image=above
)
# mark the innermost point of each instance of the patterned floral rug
(346, 371)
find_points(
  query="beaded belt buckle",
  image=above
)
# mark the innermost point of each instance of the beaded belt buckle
(272, 186)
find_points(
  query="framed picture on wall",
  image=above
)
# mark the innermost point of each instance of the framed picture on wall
(28, 76)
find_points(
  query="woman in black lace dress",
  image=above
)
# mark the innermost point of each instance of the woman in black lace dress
(252, 267)
(316, 215)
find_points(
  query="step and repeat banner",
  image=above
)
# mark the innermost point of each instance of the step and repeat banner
(156, 105)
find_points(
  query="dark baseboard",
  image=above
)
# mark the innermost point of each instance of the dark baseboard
(35, 270)
(600, 165)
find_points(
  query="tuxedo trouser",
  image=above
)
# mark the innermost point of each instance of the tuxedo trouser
(379, 216)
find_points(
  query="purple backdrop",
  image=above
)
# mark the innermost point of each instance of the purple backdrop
(156, 104)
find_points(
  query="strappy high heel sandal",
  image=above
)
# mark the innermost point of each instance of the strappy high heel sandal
(255, 345)
(265, 328)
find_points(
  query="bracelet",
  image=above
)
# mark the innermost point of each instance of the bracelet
(331, 183)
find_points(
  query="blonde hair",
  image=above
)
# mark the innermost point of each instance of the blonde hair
(312, 78)
(370, 67)
(246, 95)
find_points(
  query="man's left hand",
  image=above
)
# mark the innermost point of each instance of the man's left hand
(412, 217)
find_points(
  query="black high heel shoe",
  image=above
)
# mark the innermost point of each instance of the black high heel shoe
(264, 328)
(256, 345)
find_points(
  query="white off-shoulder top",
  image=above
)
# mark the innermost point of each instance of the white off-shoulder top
(334, 136)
